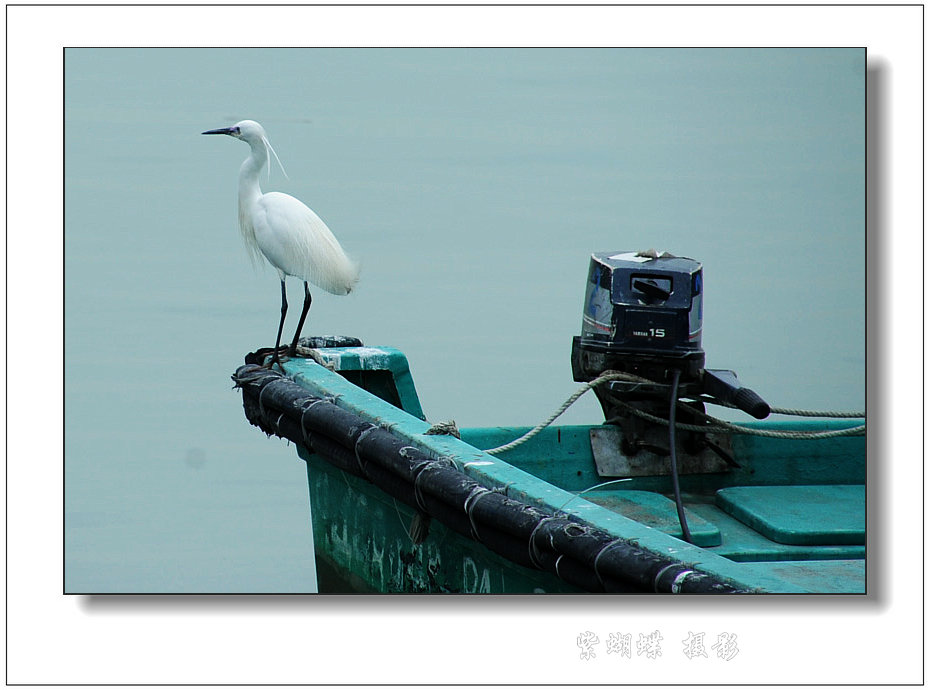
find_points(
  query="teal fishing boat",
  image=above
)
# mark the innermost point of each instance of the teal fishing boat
(658, 497)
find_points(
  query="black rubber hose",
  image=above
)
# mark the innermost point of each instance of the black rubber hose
(686, 533)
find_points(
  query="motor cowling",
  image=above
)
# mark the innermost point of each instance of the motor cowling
(643, 315)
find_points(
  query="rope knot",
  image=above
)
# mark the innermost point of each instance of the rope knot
(443, 429)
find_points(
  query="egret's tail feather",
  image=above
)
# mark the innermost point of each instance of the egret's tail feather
(338, 276)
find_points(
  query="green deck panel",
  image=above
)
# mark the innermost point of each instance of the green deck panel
(658, 511)
(800, 515)
(827, 577)
(742, 543)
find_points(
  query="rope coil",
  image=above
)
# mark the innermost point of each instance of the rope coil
(476, 495)
(658, 576)
(261, 405)
(680, 580)
(532, 551)
(420, 471)
(303, 419)
(358, 457)
(597, 559)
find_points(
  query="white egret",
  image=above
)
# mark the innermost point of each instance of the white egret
(290, 236)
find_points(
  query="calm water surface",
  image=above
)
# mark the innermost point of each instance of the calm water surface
(472, 185)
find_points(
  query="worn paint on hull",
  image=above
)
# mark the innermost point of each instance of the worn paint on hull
(361, 536)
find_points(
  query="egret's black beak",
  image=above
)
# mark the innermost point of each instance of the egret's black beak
(223, 130)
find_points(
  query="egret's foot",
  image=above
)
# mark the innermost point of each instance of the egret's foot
(276, 359)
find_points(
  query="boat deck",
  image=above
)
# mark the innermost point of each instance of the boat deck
(778, 522)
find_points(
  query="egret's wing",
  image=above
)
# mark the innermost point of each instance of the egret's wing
(296, 241)
(247, 228)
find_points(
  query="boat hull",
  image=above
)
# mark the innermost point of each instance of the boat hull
(362, 544)
(788, 518)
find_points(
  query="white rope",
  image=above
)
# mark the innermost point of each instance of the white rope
(818, 413)
(718, 425)
(612, 376)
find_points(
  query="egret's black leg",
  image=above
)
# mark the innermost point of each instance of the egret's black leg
(277, 342)
(303, 316)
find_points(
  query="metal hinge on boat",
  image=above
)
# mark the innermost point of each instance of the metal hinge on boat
(652, 459)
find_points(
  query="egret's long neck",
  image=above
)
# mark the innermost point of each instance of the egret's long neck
(249, 173)
(249, 193)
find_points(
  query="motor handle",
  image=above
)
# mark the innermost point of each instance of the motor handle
(723, 385)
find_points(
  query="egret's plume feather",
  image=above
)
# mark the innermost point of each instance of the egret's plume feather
(268, 147)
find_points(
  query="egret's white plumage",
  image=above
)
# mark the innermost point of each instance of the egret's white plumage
(280, 228)
(297, 243)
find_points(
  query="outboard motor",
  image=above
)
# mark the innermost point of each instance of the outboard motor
(643, 316)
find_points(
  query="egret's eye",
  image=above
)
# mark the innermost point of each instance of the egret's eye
(236, 130)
